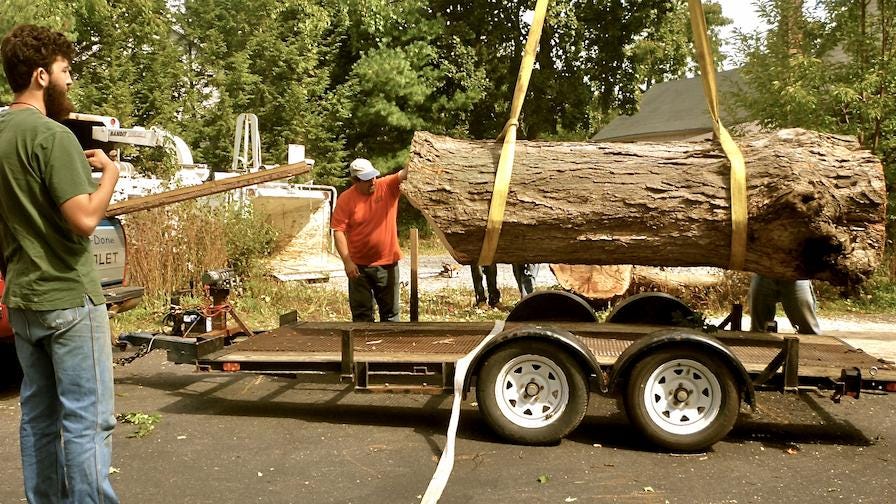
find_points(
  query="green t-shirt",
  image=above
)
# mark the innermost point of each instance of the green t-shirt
(49, 266)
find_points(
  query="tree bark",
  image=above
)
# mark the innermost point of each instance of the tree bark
(816, 203)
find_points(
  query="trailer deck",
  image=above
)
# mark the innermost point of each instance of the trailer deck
(681, 386)
(279, 350)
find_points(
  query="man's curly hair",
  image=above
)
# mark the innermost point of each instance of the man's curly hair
(28, 47)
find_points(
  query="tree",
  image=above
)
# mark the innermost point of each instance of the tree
(128, 64)
(594, 60)
(53, 14)
(830, 69)
(268, 58)
(405, 73)
(357, 78)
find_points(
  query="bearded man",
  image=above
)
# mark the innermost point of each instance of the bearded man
(49, 206)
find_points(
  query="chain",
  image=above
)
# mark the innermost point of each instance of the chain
(124, 361)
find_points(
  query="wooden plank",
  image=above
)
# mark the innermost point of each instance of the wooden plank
(206, 189)
(415, 299)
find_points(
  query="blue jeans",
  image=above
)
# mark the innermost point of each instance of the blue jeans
(67, 403)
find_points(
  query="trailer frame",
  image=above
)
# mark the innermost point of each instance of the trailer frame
(421, 357)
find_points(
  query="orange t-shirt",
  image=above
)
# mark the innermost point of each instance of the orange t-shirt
(369, 222)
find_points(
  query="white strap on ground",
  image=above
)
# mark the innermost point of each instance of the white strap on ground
(446, 462)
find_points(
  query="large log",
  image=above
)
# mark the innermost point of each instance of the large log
(817, 203)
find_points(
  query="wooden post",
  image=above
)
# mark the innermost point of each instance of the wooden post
(415, 301)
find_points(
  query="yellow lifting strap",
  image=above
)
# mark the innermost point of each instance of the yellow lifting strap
(505, 162)
(707, 70)
(735, 157)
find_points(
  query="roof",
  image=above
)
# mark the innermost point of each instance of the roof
(677, 109)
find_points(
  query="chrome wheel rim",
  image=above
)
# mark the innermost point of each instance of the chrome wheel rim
(682, 397)
(531, 391)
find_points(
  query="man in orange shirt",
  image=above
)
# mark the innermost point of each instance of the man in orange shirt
(364, 227)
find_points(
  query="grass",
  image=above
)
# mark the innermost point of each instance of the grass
(261, 301)
(878, 296)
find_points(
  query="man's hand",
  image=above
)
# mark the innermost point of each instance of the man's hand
(351, 269)
(98, 159)
(84, 211)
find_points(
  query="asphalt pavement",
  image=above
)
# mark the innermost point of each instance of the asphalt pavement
(239, 438)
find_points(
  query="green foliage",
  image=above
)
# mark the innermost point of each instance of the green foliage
(877, 295)
(128, 62)
(53, 14)
(267, 57)
(161, 163)
(249, 239)
(357, 78)
(145, 422)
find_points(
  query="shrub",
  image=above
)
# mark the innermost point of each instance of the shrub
(170, 247)
(249, 240)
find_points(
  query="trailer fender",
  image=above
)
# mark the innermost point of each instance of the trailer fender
(561, 338)
(554, 306)
(656, 308)
(665, 338)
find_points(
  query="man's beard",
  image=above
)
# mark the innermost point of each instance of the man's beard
(56, 100)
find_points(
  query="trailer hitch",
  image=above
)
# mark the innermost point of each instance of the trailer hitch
(850, 384)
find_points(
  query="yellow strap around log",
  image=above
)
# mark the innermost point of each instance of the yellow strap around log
(738, 169)
(505, 163)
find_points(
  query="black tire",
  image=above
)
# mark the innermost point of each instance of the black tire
(688, 428)
(562, 388)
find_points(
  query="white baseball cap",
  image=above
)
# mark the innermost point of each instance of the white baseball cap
(362, 169)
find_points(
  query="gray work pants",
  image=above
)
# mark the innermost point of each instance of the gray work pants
(796, 296)
(525, 278)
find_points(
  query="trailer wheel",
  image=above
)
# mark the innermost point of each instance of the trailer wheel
(682, 399)
(532, 392)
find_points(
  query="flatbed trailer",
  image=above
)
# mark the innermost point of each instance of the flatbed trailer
(682, 387)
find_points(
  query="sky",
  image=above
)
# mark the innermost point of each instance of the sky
(743, 14)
